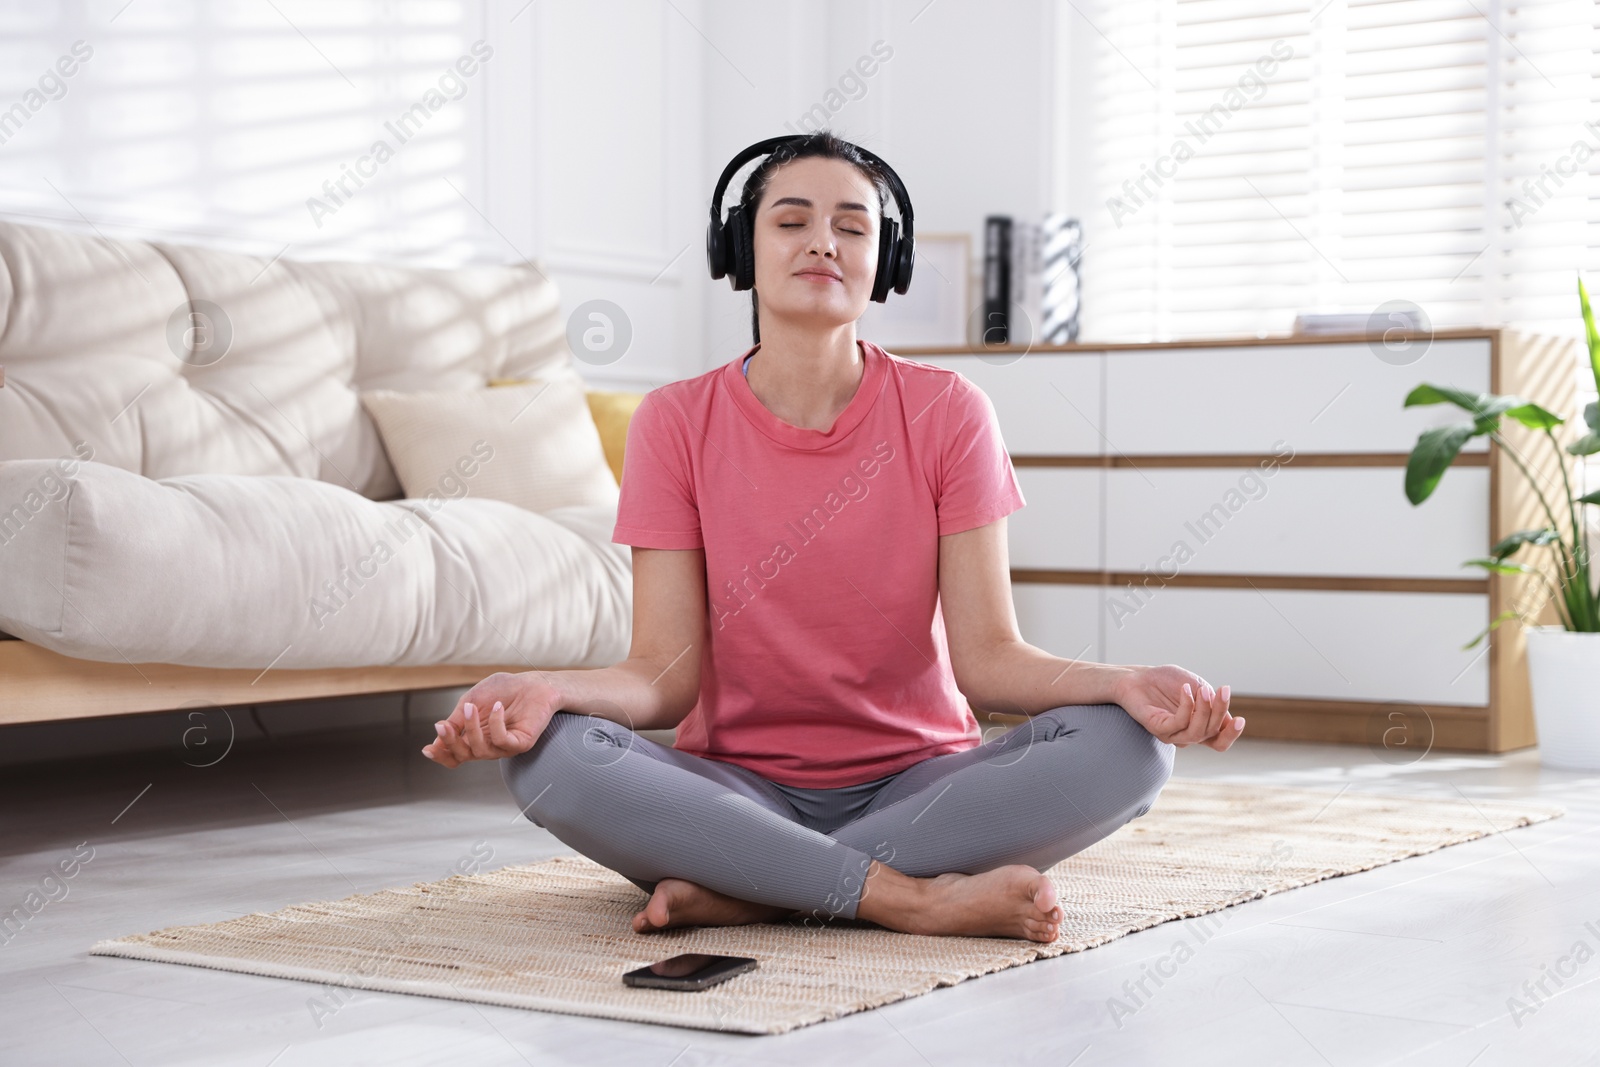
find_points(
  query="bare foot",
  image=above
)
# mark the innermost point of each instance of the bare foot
(680, 903)
(1012, 901)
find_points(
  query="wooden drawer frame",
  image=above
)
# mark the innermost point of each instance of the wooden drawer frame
(1542, 369)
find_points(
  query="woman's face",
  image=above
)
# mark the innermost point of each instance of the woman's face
(816, 242)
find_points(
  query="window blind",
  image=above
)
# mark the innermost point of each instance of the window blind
(1253, 159)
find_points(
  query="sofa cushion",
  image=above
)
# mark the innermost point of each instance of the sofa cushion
(166, 359)
(223, 570)
(534, 445)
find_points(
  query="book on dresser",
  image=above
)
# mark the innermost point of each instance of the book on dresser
(1238, 508)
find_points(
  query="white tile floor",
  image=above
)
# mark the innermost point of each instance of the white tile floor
(1410, 963)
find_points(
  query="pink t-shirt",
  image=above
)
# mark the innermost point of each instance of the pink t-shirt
(827, 663)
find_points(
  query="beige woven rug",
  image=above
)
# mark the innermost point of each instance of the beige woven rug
(554, 935)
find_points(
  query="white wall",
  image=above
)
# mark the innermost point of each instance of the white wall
(224, 120)
(589, 140)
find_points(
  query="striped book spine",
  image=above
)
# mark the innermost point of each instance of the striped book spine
(1059, 301)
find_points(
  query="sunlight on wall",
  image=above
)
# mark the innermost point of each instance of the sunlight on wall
(316, 130)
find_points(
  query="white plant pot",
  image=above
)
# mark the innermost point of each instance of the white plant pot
(1564, 672)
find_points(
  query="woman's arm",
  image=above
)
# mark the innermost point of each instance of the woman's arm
(995, 668)
(653, 689)
(659, 682)
(997, 671)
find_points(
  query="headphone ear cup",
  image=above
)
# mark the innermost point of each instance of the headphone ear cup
(716, 250)
(888, 254)
(742, 254)
(904, 262)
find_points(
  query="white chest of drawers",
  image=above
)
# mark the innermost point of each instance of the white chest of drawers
(1238, 508)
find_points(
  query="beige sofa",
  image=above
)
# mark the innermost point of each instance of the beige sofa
(169, 519)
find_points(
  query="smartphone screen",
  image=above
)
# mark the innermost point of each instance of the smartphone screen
(689, 971)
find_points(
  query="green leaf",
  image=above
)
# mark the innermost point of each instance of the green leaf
(1502, 617)
(1434, 451)
(1587, 445)
(1480, 405)
(1592, 498)
(1510, 545)
(1535, 417)
(1592, 335)
(1591, 415)
(1428, 394)
(1501, 567)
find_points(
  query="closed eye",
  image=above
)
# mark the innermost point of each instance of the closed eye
(787, 225)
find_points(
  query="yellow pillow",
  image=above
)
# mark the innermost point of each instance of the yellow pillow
(611, 411)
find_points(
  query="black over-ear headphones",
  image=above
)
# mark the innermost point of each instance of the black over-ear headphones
(730, 245)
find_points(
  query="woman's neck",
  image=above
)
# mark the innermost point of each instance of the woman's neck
(805, 378)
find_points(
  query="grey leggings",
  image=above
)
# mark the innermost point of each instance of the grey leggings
(1036, 794)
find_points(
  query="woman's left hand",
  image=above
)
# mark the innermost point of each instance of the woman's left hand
(1179, 707)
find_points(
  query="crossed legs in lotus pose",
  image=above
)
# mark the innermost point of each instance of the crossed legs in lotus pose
(953, 845)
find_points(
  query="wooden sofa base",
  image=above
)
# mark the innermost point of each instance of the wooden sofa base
(37, 685)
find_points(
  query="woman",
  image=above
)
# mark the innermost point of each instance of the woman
(821, 588)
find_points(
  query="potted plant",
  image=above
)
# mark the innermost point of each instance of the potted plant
(1563, 660)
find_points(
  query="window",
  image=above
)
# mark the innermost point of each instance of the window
(1252, 159)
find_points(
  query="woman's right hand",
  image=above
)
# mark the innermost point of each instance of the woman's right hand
(500, 716)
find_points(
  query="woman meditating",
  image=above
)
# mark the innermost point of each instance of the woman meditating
(821, 597)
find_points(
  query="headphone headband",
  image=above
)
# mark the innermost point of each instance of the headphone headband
(730, 244)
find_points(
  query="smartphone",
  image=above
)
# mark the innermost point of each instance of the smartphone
(691, 971)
